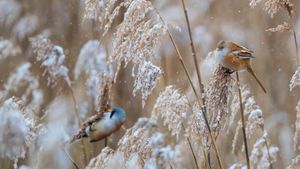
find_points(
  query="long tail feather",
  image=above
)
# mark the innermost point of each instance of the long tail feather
(250, 70)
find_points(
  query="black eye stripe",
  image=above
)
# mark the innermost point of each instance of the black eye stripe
(111, 114)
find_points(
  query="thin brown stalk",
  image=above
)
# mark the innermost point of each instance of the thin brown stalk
(199, 77)
(295, 37)
(191, 147)
(243, 121)
(207, 163)
(179, 56)
(71, 159)
(83, 149)
(268, 151)
(171, 166)
(296, 44)
(193, 48)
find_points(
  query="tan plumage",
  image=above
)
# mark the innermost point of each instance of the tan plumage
(98, 127)
(235, 58)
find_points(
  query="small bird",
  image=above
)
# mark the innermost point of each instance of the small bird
(97, 128)
(235, 58)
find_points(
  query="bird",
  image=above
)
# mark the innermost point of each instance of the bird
(97, 128)
(236, 58)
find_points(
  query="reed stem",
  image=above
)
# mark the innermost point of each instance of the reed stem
(179, 56)
(83, 149)
(243, 121)
(192, 150)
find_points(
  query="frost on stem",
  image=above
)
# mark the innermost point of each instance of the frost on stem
(295, 81)
(142, 146)
(217, 94)
(18, 130)
(135, 41)
(171, 106)
(138, 34)
(148, 144)
(255, 121)
(101, 160)
(252, 110)
(196, 128)
(260, 153)
(146, 79)
(93, 9)
(92, 61)
(295, 163)
(52, 58)
(285, 27)
(273, 6)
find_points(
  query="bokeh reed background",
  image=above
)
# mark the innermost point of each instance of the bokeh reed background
(63, 22)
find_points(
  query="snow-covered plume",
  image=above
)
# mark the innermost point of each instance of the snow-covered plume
(21, 77)
(18, 129)
(52, 58)
(92, 60)
(146, 79)
(172, 107)
(9, 12)
(8, 48)
(263, 155)
(26, 26)
(295, 81)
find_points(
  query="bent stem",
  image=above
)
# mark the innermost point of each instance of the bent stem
(80, 123)
(296, 44)
(71, 159)
(191, 147)
(201, 86)
(243, 120)
(193, 49)
(268, 151)
(193, 87)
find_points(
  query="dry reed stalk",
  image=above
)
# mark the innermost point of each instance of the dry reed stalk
(83, 149)
(104, 96)
(71, 159)
(196, 130)
(194, 54)
(243, 121)
(268, 151)
(217, 94)
(201, 86)
(179, 56)
(191, 147)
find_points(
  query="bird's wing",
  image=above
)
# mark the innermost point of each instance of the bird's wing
(243, 54)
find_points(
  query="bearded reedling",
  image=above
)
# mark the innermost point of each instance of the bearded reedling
(236, 58)
(97, 128)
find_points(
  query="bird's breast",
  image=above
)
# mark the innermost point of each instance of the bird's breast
(234, 63)
(102, 129)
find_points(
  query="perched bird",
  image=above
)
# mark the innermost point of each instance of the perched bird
(97, 128)
(235, 58)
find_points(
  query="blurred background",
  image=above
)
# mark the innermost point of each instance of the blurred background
(211, 20)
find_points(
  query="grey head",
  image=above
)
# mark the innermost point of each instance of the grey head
(221, 44)
(118, 114)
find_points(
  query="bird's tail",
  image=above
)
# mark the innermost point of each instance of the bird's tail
(250, 70)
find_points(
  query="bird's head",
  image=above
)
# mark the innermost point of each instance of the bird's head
(221, 45)
(221, 50)
(118, 114)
